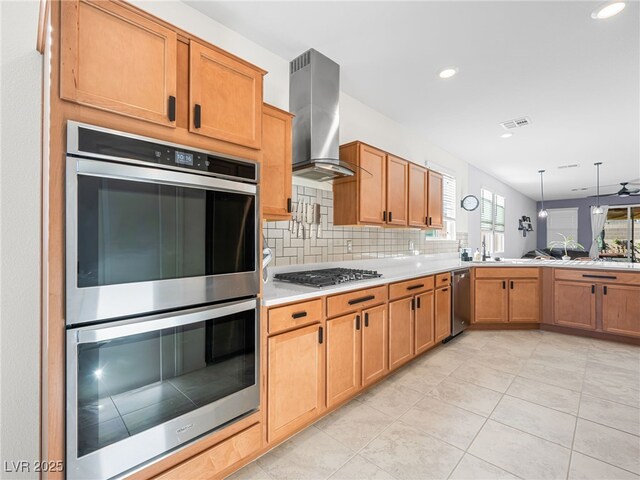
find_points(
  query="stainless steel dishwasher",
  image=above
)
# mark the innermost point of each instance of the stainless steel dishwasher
(461, 301)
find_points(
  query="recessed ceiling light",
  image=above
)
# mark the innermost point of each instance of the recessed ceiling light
(448, 72)
(506, 135)
(607, 10)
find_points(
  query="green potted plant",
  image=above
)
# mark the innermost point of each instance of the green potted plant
(566, 243)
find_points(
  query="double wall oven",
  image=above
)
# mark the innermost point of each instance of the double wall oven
(162, 277)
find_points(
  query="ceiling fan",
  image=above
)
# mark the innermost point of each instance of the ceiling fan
(624, 191)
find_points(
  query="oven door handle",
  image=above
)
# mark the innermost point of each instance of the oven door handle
(153, 323)
(133, 173)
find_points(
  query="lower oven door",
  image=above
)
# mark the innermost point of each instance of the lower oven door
(138, 388)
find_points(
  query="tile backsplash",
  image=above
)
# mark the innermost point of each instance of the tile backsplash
(366, 242)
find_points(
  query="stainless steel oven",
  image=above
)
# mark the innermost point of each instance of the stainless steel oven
(153, 226)
(138, 388)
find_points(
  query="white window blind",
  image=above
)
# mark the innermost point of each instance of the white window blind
(498, 221)
(492, 220)
(486, 210)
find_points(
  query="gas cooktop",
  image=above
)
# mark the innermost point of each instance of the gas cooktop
(326, 276)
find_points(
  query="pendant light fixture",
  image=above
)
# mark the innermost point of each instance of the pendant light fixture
(598, 210)
(542, 213)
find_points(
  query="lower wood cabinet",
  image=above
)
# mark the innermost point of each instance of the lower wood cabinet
(491, 301)
(524, 300)
(621, 309)
(442, 313)
(214, 461)
(295, 378)
(575, 304)
(356, 352)
(343, 357)
(401, 332)
(374, 344)
(504, 295)
(424, 322)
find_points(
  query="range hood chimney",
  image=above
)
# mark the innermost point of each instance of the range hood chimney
(314, 90)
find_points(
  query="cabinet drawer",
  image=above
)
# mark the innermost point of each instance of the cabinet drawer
(352, 301)
(296, 315)
(507, 272)
(410, 287)
(597, 276)
(443, 279)
(219, 457)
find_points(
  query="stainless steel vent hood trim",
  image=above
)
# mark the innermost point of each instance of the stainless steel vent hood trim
(314, 94)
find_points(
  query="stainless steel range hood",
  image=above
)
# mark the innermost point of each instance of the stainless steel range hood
(314, 91)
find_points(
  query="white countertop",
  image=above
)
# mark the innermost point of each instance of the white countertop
(395, 269)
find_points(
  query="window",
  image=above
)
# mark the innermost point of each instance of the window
(621, 232)
(448, 231)
(492, 220)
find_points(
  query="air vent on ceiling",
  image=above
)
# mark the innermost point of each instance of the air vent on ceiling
(570, 165)
(516, 123)
(300, 62)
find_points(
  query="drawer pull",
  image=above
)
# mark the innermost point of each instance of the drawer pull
(172, 109)
(361, 299)
(366, 319)
(384, 216)
(197, 116)
(320, 335)
(511, 284)
(593, 289)
(390, 216)
(299, 315)
(413, 304)
(504, 284)
(604, 290)
(606, 277)
(418, 300)
(413, 287)
(445, 289)
(357, 322)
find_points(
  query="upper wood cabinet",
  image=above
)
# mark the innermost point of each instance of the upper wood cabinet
(226, 97)
(418, 181)
(397, 188)
(275, 171)
(385, 190)
(434, 202)
(295, 392)
(116, 60)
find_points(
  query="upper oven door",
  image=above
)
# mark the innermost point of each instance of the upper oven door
(144, 239)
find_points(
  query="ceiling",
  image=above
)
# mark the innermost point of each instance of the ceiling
(576, 78)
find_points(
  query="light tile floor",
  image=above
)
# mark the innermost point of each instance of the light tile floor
(487, 405)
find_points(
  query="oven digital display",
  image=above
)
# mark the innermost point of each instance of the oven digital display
(184, 158)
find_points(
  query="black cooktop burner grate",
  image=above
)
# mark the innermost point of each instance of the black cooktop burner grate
(326, 276)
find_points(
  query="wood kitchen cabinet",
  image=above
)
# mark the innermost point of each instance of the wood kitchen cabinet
(296, 384)
(504, 295)
(424, 322)
(117, 60)
(275, 171)
(225, 95)
(575, 304)
(418, 181)
(397, 190)
(386, 190)
(442, 313)
(357, 342)
(434, 200)
(401, 332)
(621, 309)
(343, 357)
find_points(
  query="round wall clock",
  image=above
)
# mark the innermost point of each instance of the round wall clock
(470, 203)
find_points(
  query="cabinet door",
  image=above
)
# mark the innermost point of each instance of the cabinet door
(343, 358)
(524, 300)
(425, 321)
(400, 332)
(275, 171)
(374, 344)
(295, 380)
(116, 60)
(491, 301)
(443, 313)
(372, 201)
(397, 190)
(434, 203)
(575, 304)
(418, 215)
(225, 95)
(621, 309)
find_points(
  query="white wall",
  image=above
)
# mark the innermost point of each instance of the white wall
(516, 205)
(20, 103)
